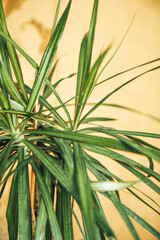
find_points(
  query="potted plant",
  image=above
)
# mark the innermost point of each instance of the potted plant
(50, 156)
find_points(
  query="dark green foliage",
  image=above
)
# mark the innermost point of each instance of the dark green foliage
(60, 152)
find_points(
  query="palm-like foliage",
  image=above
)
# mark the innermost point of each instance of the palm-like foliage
(60, 151)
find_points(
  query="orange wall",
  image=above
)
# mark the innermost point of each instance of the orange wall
(30, 26)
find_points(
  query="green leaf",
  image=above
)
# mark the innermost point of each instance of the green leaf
(146, 151)
(20, 166)
(28, 58)
(132, 110)
(43, 101)
(48, 203)
(16, 106)
(150, 153)
(118, 47)
(109, 232)
(67, 154)
(10, 85)
(83, 138)
(98, 166)
(56, 16)
(112, 196)
(13, 56)
(143, 143)
(87, 87)
(50, 163)
(125, 71)
(5, 105)
(47, 59)
(81, 66)
(48, 91)
(42, 214)
(115, 90)
(79, 225)
(104, 226)
(5, 57)
(84, 191)
(90, 39)
(12, 210)
(97, 119)
(66, 215)
(4, 157)
(4, 121)
(60, 101)
(117, 156)
(139, 198)
(134, 133)
(142, 177)
(24, 210)
(111, 186)
(50, 77)
(123, 214)
(142, 222)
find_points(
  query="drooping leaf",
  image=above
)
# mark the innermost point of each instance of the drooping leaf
(115, 90)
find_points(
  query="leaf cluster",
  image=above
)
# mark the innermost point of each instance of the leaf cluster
(60, 149)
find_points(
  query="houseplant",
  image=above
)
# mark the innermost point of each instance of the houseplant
(59, 150)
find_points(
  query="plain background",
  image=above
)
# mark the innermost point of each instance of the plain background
(29, 24)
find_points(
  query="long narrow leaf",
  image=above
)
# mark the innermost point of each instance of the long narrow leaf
(12, 213)
(111, 186)
(112, 196)
(141, 221)
(117, 156)
(24, 211)
(110, 233)
(88, 87)
(52, 166)
(66, 215)
(47, 59)
(81, 66)
(60, 101)
(5, 105)
(4, 157)
(115, 90)
(90, 40)
(48, 203)
(10, 85)
(84, 191)
(57, 116)
(84, 138)
(28, 58)
(42, 214)
(13, 56)
(131, 109)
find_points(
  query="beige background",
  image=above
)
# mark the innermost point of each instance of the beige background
(30, 25)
